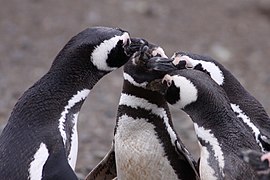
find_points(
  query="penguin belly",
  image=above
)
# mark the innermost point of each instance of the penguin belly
(135, 142)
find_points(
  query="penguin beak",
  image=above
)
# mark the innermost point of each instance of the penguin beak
(135, 45)
(161, 64)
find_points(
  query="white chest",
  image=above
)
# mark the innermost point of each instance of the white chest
(39, 159)
(72, 156)
(139, 153)
(206, 171)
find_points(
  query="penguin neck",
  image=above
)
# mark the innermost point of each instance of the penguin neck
(211, 113)
(220, 121)
(232, 86)
(141, 92)
(250, 106)
(143, 102)
(49, 96)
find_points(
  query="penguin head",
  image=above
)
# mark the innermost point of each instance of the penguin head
(202, 63)
(140, 69)
(186, 87)
(102, 48)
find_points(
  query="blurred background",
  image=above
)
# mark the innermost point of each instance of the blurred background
(32, 32)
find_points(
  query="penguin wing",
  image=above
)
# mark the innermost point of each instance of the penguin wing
(106, 169)
(185, 154)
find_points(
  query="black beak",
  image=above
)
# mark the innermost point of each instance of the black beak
(135, 45)
(161, 64)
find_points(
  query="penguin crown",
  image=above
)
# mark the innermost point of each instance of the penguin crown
(139, 70)
(102, 47)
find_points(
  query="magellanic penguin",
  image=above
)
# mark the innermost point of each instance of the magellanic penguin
(247, 108)
(40, 139)
(259, 161)
(220, 134)
(145, 144)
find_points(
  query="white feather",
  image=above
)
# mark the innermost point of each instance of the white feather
(188, 92)
(215, 73)
(132, 81)
(136, 102)
(247, 121)
(72, 157)
(100, 53)
(138, 151)
(39, 159)
(208, 137)
(206, 171)
(81, 95)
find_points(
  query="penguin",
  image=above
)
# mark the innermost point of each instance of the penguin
(246, 107)
(220, 134)
(145, 144)
(259, 161)
(40, 139)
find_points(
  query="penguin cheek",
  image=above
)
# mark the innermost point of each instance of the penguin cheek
(117, 56)
(172, 95)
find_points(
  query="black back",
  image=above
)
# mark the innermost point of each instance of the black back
(240, 96)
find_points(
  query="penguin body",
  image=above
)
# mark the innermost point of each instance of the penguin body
(145, 143)
(40, 139)
(246, 107)
(220, 134)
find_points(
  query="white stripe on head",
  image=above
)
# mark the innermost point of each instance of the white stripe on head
(100, 53)
(135, 102)
(241, 115)
(215, 72)
(188, 91)
(81, 95)
(39, 159)
(208, 137)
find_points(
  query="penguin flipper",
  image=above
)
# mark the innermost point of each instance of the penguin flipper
(106, 169)
(58, 168)
(182, 152)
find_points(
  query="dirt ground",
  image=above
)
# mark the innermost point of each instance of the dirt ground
(32, 32)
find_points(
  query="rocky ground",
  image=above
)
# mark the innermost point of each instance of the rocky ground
(237, 33)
